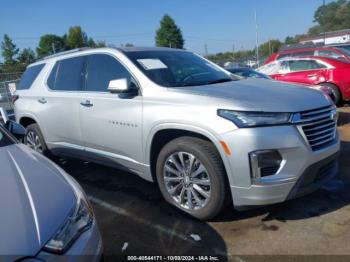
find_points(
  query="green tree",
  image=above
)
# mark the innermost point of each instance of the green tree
(77, 38)
(93, 44)
(26, 57)
(169, 34)
(332, 16)
(290, 40)
(269, 47)
(9, 51)
(50, 44)
(101, 44)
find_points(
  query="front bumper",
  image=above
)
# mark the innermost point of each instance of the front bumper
(299, 163)
(88, 247)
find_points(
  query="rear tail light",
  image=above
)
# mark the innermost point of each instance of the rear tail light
(14, 98)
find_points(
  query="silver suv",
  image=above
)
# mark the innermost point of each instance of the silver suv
(175, 118)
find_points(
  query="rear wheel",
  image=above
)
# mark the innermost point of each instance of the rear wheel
(336, 95)
(191, 176)
(35, 140)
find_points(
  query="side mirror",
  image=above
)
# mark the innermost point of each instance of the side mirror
(17, 130)
(118, 85)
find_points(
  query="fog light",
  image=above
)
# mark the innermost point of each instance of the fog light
(264, 163)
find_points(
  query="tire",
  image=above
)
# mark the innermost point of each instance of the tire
(336, 95)
(33, 136)
(206, 155)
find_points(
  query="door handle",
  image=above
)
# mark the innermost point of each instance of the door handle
(86, 103)
(312, 75)
(42, 101)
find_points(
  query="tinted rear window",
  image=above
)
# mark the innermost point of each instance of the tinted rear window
(29, 76)
(68, 76)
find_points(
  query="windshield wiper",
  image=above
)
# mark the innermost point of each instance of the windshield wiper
(221, 80)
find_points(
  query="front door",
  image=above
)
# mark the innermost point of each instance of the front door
(111, 123)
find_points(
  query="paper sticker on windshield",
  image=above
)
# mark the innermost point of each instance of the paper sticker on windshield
(151, 64)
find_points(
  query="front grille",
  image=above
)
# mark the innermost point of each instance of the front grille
(319, 126)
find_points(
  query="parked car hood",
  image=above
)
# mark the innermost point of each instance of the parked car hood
(35, 200)
(261, 95)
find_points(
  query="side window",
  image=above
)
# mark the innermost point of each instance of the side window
(303, 65)
(29, 76)
(318, 65)
(101, 69)
(69, 75)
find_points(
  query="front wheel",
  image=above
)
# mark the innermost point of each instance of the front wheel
(191, 176)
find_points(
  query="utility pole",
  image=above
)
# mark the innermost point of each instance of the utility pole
(53, 48)
(205, 49)
(256, 38)
(233, 51)
(324, 31)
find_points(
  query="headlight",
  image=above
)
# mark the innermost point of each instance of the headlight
(254, 119)
(79, 220)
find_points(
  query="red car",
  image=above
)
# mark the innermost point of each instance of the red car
(329, 72)
(339, 52)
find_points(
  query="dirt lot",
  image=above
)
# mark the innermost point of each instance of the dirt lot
(131, 210)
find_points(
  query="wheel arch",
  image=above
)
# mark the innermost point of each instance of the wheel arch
(26, 120)
(162, 134)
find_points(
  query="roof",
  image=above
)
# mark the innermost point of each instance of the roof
(121, 49)
(142, 49)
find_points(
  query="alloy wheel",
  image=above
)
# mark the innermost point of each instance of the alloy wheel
(33, 141)
(187, 180)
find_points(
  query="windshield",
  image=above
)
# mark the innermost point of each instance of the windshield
(177, 68)
(4, 139)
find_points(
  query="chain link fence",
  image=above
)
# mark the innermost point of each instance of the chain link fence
(8, 83)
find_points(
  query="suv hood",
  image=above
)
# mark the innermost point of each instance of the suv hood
(261, 95)
(35, 200)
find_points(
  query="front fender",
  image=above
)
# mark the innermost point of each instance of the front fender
(213, 137)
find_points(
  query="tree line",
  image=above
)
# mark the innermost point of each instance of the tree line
(16, 60)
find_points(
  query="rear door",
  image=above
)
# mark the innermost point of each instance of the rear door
(111, 123)
(305, 71)
(58, 111)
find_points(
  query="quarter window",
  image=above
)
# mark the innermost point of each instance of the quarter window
(29, 76)
(101, 69)
(67, 75)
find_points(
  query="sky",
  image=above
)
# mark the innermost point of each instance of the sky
(220, 24)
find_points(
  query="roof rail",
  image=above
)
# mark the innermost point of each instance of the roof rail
(66, 52)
